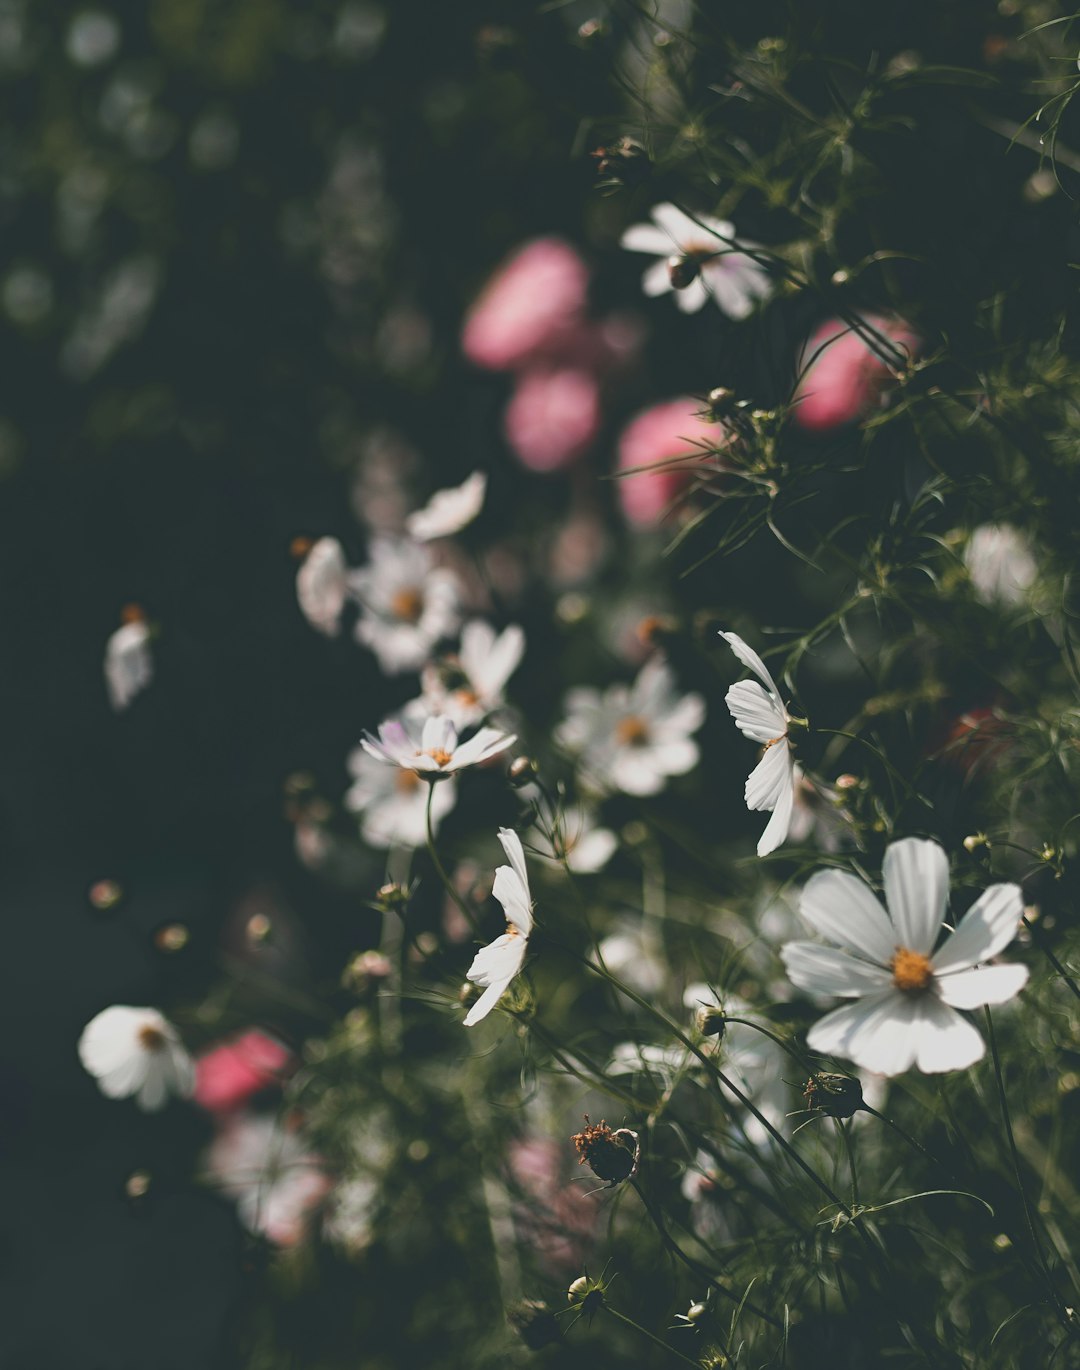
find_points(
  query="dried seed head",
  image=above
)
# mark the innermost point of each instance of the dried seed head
(612, 1156)
(838, 1096)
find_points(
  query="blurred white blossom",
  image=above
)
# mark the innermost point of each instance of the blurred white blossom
(136, 1051)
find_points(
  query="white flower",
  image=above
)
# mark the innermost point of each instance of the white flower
(906, 993)
(631, 1058)
(632, 953)
(1000, 563)
(267, 1168)
(485, 660)
(407, 604)
(448, 511)
(759, 715)
(496, 964)
(584, 847)
(633, 738)
(700, 253)
(322, 586)
(431, 748)
(393, 802)
(129, 667)
(136, 1051)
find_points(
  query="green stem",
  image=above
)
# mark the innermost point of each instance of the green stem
(470, 917)
(651, 1336)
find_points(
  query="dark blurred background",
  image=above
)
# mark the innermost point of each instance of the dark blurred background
(238, 240)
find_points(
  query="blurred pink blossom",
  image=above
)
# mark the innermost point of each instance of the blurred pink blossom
(532, 301)
(844, 377)
(553, 416)
(667, 430)
(229, 1074)
(558, 1216)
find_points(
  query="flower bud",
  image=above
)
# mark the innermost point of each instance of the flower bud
(682, 271)
(721, 402)
(696, 1312)
(523, 771)
(711, 1021)
(838, 1096)
(391, 896)
(105, 895)
(612, 1156)
(975, 840)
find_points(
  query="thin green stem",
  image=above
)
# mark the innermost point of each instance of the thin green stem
(651, 1336)
(470, 917)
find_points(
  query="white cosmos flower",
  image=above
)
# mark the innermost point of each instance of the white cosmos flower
(1000, 563)
(485, 661)
(136, 1051)
(448, 511)
(700, 252)
(392, 802)
(632, 738)
(431, 748)
(269, 1171)
(129, 667)
(407, 604)
(906, 993)
(759, 715)
(322, 585)
(585, 847)
(496, 964)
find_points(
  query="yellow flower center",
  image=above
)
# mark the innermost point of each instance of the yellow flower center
(632, 731)
(151, 1038)
(408, 604)
(911, 970)
(439, 756)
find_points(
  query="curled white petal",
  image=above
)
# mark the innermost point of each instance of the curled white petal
(449, 511)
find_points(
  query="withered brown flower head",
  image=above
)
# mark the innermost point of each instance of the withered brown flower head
(612, 1156)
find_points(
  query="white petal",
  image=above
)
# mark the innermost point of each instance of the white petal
(692, 297)
(125, 1077)
(448, 511)
(487, 742)
(876, 1032)
(321, 586)
(492, 668)
(986, 929)
(824, 970)
(841, 908)
(679, 227)
(111, 1037)
(511, 845)
(648, 238)
(592, 851)
(757, 714)
(154, 1091)
(946, 1041)
(752, 661)
(916, 878)
(656, 280)
(514, 897)
(129, 667)
(983, 985)
(767, 782)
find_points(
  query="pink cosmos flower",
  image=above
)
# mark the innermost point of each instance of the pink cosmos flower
(671, 429)
(553, 417)
(537, 296)
(844, 377)
(229, 1074)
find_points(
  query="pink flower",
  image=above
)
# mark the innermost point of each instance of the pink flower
(556, 1216)
(844, 377)
(552, 418)
(230, 1073)
(535, 298)
(671, 429)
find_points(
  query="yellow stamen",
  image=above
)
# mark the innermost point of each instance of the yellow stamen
(632, 731)
(440, 757)
(912, 971)
(151, 1038)
(408, 604)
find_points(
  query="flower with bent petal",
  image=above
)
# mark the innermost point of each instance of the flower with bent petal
(698, 259)
(431, 749)
(759, 715)
(136, 1051)
(495, 965)
(471, 684)
(906, 993)
(449, 511)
